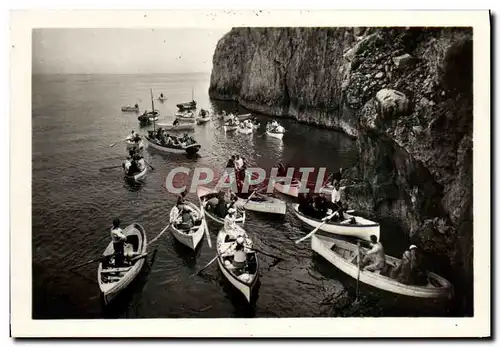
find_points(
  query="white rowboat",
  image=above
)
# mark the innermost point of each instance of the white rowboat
(343, 255)
(192, 237)
(113, 280)
(177, 127)
(363, 228)
(191, 149)
(264, 204)
(137, 175)
(205, 194)
(244, 280)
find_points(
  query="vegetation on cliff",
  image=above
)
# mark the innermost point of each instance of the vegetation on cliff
(405, 94)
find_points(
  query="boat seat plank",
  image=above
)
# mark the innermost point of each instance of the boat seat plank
(351, 258)
(112, 270)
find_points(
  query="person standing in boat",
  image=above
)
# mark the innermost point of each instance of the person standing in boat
(336, 177)
(230, 221)
(118, 239)
(336, 203)
(281, 170)
(374, 259)
(181, 198)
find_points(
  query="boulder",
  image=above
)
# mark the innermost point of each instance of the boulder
(391, 103)
(402, 61)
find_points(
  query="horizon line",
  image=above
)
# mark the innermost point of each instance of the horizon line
(121, 73)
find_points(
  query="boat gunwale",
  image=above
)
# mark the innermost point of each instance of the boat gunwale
(295, 207)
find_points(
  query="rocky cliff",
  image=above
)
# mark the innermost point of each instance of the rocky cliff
(405, 94)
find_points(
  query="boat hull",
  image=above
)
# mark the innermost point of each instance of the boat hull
(178, 127)
(245, 288)
(291, 189)
(132, 145)
(272, 205)
(110, 290)
(136, 176)
(192, 239)
(189, 149)
(276, 135)
(203, 120)
(245, 130)
(202, 192)
(230, 128)
(323, 246)
(363, 230)
(130, 109)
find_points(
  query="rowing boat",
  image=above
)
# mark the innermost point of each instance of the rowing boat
(263, 203)
(243, 280)
(245, 130)
(177, 127)
(203, 120)
(291, 189)
(208, 197)
(187, 105)
(228, 128)
(190, 237)
(190, 149)
(130, 109)
(148, 117)
(277, 131)
(112, 280)
(137, 175)
(130, 144)
(343, 255)
(362, 228)
(162, 98)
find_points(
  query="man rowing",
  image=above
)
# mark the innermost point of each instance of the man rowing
(374, 259)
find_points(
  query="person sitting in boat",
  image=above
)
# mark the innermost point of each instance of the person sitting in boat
(320, 206)
(410, 270)
(161, 95)
(141, 163)
(131, 136)
(186, 219)
(175, 213)
(240, 256)
(126, 163)
(118, 239)
(134, 167)
(374, 259)
(168, 140)
(176, 121)
(136, 106)
(274, 124)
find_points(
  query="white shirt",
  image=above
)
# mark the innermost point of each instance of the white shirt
(239, 163)
(335, 195)
(229, 223)
(117, 235)
(174, 214)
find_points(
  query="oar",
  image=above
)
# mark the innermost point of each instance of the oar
(209, 263)
(110, 167)
(326, 219)
(161, 233)
(89, 262)
(151, 166)
(359, 271)
(269, 255)
(248, 199)
(114, 143)
(205, 226)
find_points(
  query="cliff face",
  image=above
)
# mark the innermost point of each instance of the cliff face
(405, 94)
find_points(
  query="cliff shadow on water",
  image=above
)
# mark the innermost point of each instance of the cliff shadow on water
(404, 94)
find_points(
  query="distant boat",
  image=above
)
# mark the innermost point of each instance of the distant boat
(149, 117)
(190, 105)
(130, 108)
(162, 97)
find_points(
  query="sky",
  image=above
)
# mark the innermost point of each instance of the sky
(124, 51)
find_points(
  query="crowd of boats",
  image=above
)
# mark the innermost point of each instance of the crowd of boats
(348, 241)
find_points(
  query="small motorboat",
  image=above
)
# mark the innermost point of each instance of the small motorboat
(209, 198)
(343, 255)
(243, 279)
(113, 280)
(190, 237)
(350, 225)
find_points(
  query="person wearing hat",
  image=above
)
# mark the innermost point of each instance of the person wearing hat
(230, 221)
(409, 270)
(374, 259)
(118, 239)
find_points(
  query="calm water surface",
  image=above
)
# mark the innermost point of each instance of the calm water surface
(77, 117)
